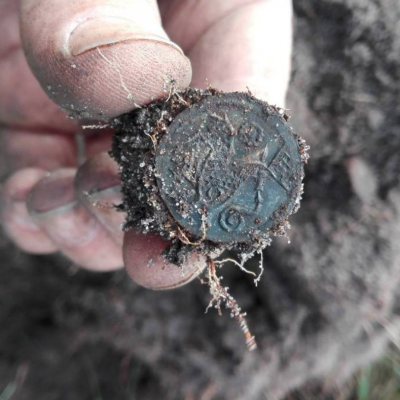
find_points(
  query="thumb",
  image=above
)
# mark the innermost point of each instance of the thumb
(101, 58)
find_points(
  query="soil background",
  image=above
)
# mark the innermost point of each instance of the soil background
(327, 303)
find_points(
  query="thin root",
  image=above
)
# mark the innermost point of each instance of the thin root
(184, 239)
(220, 294)
(99, 204)
(240, 265)
(172, 90)
(159, 127)
(153, 140)
(249, 91)
(95, 126)
(121, 78)
(261, 266)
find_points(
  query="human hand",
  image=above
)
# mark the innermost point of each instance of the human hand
(98, 59)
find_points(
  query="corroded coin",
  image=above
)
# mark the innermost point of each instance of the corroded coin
(229, 168)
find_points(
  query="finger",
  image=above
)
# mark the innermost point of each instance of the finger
(98, 58)
(14, 214)
(98, 187)
(21, 148)
(23, 103)
(238, 44)
(147, 266)
(70, 226)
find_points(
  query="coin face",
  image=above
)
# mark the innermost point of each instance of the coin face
(229, 166)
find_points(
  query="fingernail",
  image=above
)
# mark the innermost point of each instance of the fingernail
(98, 186)
(14, 197)
(102, 204)
(15, 212)
(21, 228)
(74, 230)
(103, 31)
(146, 265)
(53, 206)
(54, 192)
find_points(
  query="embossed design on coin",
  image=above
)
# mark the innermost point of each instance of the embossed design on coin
(234, 158)
(231, 220)
(251, 134)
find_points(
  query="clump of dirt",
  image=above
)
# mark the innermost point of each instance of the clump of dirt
(209, 171)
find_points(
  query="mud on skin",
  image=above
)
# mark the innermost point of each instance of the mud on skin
(209, 171)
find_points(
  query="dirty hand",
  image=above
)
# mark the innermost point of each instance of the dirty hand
(98, 59)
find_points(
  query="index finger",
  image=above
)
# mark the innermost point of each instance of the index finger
(236, 44)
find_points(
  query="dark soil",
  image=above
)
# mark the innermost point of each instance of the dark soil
(328, 302)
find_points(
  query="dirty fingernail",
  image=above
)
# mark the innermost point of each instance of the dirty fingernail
(106, 31)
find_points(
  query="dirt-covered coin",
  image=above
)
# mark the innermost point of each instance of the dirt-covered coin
(209, 170)
(229, 168)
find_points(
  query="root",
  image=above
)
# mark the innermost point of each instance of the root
(220, 295)
(99, 204)
(184, 239)
(95, 126)
(261, 266)
(160, 126)
(240, 265)
(121, 78)
(181, 99)
(153, 140)
(170, 86)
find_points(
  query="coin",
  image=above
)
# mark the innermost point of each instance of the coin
(229, 168)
